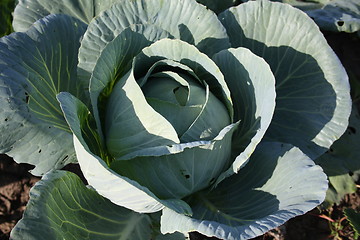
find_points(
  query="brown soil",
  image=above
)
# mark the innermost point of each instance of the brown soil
(15, 184)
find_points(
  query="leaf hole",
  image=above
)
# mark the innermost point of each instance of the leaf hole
(6, 119)
(39, 151)
(27, 97)
(340, 23)
(352, 130)
(64, 159)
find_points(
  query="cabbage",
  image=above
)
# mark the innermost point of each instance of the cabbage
(211, 120)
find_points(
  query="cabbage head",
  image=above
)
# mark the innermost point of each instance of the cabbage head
(181, 120)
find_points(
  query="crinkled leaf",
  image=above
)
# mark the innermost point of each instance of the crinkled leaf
(34, 67)
(313, 101)
(252, 87)
(104, 180)
(186, 20)
(62, 207)
(278, 183)
(341, 163)
(29, 11)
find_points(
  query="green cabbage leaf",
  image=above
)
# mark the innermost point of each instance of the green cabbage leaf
(329, 15)
(34, 68)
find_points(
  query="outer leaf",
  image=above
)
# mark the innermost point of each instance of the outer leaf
(157, 235)
(337, 15)
(331, 15)
(34, 67)
(354, 218)
(29, 11)
(313, 101)
(342, 160)
(302, 4)
(185, 20)
(120, 190)
(252, 87)
(219, 6)
(173, 236)
(339, 186)
(61, 207)
(278, 183)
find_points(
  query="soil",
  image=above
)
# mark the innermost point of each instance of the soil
(15, 184)
(16, 181)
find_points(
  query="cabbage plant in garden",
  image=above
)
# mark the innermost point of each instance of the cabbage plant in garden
(181, 120)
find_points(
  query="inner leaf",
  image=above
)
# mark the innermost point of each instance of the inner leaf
(174, 91)
(131, 124)
(181, 95)
(176, 96)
